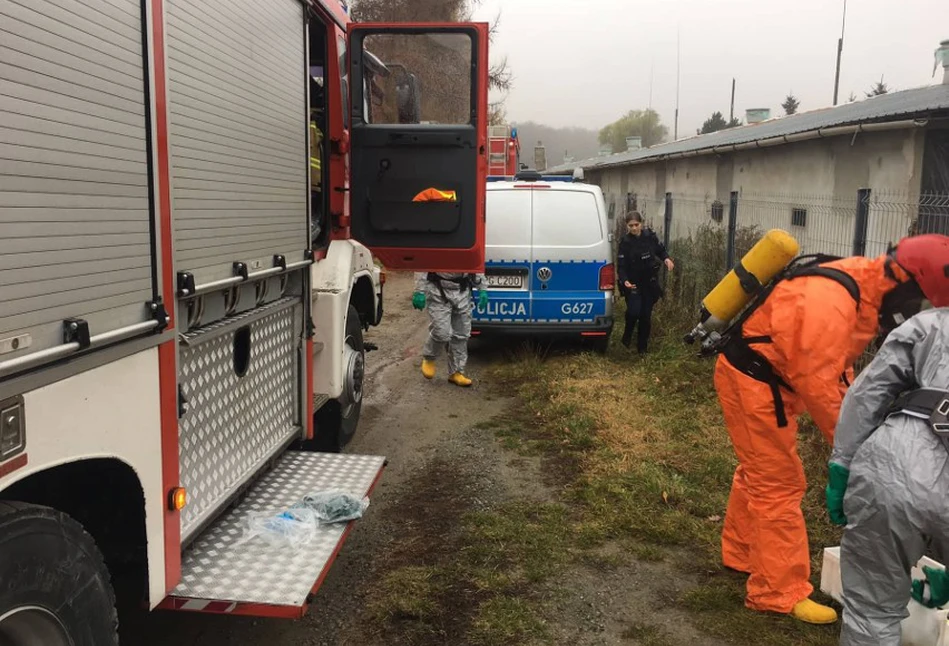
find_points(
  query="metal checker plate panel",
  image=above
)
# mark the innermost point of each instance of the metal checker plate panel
(253, 572)
(233, 424)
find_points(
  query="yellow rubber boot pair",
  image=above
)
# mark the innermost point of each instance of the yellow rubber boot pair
(460, 380)
(428, 368)
(812, 612)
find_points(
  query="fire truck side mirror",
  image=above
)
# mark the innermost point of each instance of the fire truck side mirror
(409, 99)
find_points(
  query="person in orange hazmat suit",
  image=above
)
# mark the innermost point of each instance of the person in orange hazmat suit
(795, 353)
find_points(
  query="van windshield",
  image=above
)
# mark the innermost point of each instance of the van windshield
(566, 219)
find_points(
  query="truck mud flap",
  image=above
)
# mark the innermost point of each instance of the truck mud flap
(220, 574)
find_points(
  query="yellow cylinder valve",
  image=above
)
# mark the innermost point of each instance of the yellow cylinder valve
(764, 261)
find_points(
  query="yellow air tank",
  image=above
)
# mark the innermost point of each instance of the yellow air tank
(764, 261)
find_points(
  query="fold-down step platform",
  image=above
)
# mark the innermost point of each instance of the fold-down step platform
(251, 578)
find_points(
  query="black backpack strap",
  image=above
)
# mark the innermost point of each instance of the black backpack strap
(838, 275)
(750, 363)
(437, 280)
(921, 402)
(930, 404)
(809, 265)
(464, 282)
(737, 348)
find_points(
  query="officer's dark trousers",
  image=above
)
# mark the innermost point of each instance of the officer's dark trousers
(638, 311)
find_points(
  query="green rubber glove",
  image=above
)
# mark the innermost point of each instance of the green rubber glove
(938, 582)
(482, 299)
(418, 300)
(836, 487)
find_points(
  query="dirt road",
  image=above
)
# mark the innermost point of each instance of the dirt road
(442, 465)
(415, 424)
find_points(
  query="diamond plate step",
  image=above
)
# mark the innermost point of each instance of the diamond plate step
(252, 578)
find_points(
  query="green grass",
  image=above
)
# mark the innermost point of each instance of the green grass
(520, 544)
(641, 466)
(410, 593)
(504, 620)
(485, 586)
(647, 463)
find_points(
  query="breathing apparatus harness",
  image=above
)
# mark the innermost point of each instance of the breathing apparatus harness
(465, 283)
(737, 348)
(930, 404)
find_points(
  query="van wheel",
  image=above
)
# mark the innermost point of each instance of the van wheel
(335, 423)
(602, 344)
(56, 589)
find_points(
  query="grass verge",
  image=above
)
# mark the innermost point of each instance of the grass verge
(639, 457)
(645, 459)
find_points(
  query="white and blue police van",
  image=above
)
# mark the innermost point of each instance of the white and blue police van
(548, 259)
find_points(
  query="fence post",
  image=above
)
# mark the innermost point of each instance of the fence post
(667, 222)
(861, 224)
(732, 229)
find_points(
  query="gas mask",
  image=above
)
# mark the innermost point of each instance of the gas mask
(900, 304)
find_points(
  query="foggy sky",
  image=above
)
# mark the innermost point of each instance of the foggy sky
(586, 62)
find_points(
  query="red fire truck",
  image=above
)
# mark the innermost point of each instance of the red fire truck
(189, 193)
(504, 151)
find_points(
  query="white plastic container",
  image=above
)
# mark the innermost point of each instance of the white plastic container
(924, 626)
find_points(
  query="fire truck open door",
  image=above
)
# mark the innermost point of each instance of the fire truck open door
(419, 101)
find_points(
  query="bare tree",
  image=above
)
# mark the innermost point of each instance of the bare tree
(432, 70)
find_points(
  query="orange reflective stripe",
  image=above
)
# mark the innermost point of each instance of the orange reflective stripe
(435, 195)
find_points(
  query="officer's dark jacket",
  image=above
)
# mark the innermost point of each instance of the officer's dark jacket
(640, 257)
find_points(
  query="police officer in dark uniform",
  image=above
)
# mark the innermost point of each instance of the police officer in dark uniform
(640, 257)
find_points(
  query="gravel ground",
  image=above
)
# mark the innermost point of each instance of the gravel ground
(440, 466)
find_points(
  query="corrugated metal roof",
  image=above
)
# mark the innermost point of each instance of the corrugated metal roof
(919, 102)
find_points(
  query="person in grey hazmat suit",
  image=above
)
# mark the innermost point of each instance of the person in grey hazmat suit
(449, 301)
(889, 481)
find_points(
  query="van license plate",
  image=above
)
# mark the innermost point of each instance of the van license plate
(504, 281)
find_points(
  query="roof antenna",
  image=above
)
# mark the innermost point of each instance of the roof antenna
(675, 135)
(840, 50)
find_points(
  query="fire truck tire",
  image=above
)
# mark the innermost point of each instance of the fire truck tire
(56, 588)
(335, 423)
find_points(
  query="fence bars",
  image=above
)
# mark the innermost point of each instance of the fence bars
(732, 228)
(862, 222)
(705, 245)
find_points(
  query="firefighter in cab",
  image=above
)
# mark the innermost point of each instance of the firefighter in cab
(794, 352)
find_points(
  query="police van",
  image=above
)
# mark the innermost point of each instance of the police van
(548, 259)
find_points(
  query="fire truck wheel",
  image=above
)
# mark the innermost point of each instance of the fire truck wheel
(56, 589)
(335, 423)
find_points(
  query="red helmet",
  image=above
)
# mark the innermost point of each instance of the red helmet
(926, 258)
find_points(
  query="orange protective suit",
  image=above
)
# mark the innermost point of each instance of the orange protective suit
(814, 332)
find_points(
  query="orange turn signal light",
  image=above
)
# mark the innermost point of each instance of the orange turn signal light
(178, 498)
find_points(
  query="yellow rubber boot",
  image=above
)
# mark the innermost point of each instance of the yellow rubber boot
(428, 368)
(813, 613)
(459, 380)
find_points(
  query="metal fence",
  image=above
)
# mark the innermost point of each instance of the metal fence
(707, 236)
